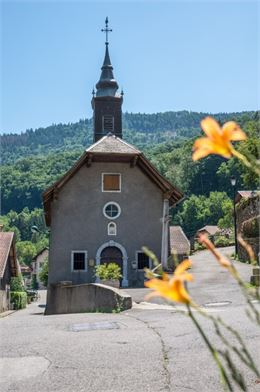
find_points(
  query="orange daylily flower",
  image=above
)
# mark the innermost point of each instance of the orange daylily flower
(218, 140)
(203, 239)
(172, 286)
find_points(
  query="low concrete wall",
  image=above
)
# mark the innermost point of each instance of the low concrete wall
(4, 302)
(91, 297)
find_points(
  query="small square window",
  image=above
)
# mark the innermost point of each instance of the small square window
(79, 261)
(111, 182)
(142, 260)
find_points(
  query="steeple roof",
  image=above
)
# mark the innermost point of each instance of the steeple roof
(107, 85)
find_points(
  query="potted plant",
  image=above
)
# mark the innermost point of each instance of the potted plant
(109, 274)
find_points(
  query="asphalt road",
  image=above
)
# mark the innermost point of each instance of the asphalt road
(149, 348)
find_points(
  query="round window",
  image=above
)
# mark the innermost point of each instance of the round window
(111, 210)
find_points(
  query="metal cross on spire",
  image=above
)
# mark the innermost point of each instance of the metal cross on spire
(106, 30)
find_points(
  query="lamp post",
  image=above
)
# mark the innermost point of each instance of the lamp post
(233, 183)
(34, 229)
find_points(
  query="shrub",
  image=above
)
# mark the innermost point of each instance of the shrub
(19, 299)
(16, 283)
(222, 241)
(34, 283)
(43, 275)
(198, 246)
(110, 271)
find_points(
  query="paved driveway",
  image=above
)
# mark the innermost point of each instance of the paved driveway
(149, 348)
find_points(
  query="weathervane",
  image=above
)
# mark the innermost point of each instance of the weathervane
(106, 30)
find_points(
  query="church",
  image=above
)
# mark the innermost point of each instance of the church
(111, 203)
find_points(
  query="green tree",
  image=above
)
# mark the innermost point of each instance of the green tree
(26, 250)
(227, 221)
(44, 273)
(198, 211)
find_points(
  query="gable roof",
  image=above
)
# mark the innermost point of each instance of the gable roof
(7, 247)
(112, 149)
(210, 229)
(179, 243)
(40, 252)
(245, 195)
(112, 145)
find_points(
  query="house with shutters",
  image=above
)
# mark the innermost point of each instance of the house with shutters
(110, 204)
(9, 267)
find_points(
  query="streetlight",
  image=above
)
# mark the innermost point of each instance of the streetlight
(34, 229)
(233, 183)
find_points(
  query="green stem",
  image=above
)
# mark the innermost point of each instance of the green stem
(249, 361)
(245, 161)
(212, 350)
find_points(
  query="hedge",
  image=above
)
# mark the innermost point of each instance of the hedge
(223, 241)
(19, 299)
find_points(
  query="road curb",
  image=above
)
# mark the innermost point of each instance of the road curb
(7, 313)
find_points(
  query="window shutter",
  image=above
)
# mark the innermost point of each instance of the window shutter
(111, 182)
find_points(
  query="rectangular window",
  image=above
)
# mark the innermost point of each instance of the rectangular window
(79, 260)
(143, 260)
(111, 182)
(108, 123)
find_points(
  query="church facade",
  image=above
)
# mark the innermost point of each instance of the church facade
(110, 204)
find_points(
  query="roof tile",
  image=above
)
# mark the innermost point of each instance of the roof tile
(112, 144)
(178, 240)
(6, 239)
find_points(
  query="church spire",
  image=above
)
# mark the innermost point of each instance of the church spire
(107, 85)
(106, 102)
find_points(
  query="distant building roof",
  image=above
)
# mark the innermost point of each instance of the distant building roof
(245, 195)
(211, 230)
(179, 243)
(40, 252)
(25, 268)
(7, 248)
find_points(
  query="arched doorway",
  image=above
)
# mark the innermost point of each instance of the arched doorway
(112, 254)
(113, 251)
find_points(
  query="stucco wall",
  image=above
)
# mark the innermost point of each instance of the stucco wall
(78, 222)
(4, 301)
(38, 264)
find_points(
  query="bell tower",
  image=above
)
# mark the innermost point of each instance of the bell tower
(106, 102)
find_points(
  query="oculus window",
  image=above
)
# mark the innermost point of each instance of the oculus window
(111, 210)
(111, 182)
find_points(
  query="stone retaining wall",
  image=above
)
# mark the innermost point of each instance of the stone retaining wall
(247, 212)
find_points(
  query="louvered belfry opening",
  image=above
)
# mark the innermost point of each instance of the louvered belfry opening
(108, 123)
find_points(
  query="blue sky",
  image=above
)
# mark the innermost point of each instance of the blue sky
(167, 55)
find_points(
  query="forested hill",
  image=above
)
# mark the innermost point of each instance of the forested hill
(139, 129)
